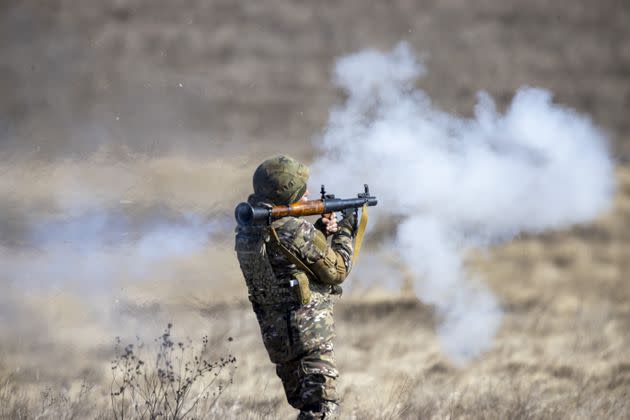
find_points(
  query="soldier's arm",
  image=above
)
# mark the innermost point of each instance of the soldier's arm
(330, 263)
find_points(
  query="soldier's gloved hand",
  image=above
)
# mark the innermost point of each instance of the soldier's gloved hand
(319, 225)
(348, 223)
(327, 224)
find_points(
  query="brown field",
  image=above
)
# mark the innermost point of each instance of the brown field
(123, 110)
(561, 351)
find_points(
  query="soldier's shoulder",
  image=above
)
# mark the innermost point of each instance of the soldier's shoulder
(290, 224)
(294, 231)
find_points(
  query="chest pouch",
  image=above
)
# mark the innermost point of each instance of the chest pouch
(302, 288)
(301, 283)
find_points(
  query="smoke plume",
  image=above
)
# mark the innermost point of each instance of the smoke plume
(454, 184)
(97, 225)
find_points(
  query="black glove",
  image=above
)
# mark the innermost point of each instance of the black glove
(348, 224)
(319, 225)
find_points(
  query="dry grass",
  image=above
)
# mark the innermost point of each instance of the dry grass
(561, 351)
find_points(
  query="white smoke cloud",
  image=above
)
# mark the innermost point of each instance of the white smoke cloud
(458, 183)
(88, 225)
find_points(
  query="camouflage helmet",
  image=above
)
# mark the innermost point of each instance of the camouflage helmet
(280, 180)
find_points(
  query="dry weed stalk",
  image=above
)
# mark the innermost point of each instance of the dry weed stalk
(54, 403)
(13, 402)
(173, 386)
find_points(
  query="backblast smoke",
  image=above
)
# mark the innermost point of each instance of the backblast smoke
(454, 184)
(448, 184)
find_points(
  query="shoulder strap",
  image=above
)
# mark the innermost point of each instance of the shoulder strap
(291, 256)
(360, 232)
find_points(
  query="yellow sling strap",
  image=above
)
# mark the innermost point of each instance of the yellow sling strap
(303, 289)
(360, 232)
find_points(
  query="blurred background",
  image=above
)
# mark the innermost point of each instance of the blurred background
(207, 77)
(125, 126)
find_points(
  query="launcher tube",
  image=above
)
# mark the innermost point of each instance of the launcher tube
(247, 215)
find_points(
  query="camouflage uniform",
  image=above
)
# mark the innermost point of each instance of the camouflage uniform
(298, 336)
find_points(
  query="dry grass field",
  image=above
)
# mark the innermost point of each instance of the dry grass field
(561, 351)
(128, 131)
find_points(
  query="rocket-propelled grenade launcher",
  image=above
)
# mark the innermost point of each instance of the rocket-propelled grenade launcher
(247, 215)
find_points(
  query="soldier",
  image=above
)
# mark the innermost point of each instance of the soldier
(291, 272)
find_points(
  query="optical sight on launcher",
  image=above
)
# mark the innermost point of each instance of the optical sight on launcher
(247, 215)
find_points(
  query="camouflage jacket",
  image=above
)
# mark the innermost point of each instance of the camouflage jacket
(267, 269)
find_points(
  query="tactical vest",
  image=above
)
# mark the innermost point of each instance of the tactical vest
(263, 286)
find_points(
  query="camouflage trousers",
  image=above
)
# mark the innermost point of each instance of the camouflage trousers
(299, 340)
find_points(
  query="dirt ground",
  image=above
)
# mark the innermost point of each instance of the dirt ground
(120, 116)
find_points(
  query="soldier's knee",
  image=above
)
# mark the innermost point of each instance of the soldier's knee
(318, 377)
(290, 376)
(316, 388)
(319, 362)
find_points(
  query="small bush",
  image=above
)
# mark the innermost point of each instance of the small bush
(172, 385)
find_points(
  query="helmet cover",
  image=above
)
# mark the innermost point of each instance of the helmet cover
(280, 180)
